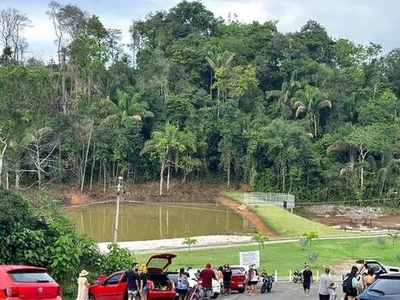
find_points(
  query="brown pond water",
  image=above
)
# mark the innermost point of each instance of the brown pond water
(139, 222)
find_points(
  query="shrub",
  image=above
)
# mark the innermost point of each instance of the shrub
(116, 259)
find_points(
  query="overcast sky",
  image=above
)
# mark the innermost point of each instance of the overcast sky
(362, 21)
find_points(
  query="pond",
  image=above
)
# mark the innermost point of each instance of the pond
(139, 222)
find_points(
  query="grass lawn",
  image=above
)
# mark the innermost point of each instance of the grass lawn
(288, 256)
(284, 223)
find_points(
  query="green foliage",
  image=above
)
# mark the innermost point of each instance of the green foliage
(260, 238)
(310, 236)
(296, 112)
(36, 234)
(116, 259)
(189, 241)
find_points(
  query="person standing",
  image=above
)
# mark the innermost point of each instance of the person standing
(206, 276)
(133, 281)
(220, 277)
(182, 284)
(83, 286)
(352, 283)
(253, 280)
(324, 285)
(143, 287)
(227, 275)
(307, 278)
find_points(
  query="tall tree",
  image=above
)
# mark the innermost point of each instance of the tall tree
(309, 101)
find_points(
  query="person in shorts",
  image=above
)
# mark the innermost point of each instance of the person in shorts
(307, 278)
(133, 281)
(182, 284)
(206, 276)
(253, 280)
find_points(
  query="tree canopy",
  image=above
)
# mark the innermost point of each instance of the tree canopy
(207, 98)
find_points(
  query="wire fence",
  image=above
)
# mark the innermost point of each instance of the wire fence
(286, 201)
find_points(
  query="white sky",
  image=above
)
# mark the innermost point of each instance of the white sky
(361, 21)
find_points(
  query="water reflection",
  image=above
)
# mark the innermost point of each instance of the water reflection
(148, 221)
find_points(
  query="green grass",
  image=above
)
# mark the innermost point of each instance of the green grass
(288, 256)
(284, 223)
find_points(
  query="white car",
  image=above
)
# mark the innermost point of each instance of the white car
(193, 281)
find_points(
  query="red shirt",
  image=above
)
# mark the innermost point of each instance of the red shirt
(206, 276)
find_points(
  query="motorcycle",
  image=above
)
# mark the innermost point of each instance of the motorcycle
(297, 276)
(267, 281)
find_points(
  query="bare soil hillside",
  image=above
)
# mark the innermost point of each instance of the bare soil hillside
(143, 192)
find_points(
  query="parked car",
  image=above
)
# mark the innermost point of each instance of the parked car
(378, 267)
(192, 278)
(386, 287)
(26, 282)
(238, 279)
(114, 287)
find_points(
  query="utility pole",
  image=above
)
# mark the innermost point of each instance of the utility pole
(119, 192)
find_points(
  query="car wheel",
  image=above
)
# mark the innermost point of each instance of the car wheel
(91, 297)
(241, 291)
(215, 296)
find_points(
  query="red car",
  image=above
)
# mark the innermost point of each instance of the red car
(25, 282)
(114, 286)
(238, 279)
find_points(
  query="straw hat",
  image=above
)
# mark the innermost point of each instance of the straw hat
(83, 273)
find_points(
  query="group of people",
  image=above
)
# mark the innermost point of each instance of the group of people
(224, 277)
(136, 280)
(354, 283)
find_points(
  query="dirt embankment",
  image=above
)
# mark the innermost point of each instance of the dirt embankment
(251, 217)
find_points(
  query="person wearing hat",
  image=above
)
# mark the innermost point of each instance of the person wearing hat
(227, 275)
(83, 286)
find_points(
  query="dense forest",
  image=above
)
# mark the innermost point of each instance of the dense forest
(195, 97)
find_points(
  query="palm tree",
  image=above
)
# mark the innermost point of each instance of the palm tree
(126, 108)
(189, 241)
(308, 101)
(216, 61)
(310, 236)
(288, 89)
(168, 144)
(260, 238)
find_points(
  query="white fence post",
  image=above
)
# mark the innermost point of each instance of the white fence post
(290, 275)
(276, 275)
(317, 276)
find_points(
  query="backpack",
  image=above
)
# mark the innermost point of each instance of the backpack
(347, 284)
(182, 284)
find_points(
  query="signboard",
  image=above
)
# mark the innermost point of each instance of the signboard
(249, 258)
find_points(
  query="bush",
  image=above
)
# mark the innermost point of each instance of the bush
(117, 259)
(39, 235)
